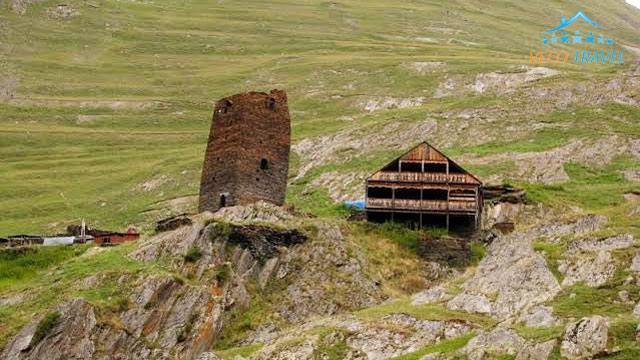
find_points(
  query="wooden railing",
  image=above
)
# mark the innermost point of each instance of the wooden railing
(423, 177)
(434, 205)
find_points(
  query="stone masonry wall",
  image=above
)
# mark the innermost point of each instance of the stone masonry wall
(247, 157)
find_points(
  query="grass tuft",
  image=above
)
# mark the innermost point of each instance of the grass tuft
(44, 328)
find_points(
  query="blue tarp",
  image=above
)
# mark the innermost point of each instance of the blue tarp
(359, 204)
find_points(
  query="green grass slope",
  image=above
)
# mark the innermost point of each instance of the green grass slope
(111, 108)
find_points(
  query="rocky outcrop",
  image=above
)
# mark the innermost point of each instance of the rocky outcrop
(488, 345)
(430, 296)
(506, 82)
(388, 337)
(548, 166)
(471, 303)
(325, 261)
(65, 335)
(397, 334)
(594, 269)
(260, 211)
(584, 225)
(372, 105)
(166, 315)
(611, 243)
(539, 316)
(585, 338)
(512, 275)
(590, 261)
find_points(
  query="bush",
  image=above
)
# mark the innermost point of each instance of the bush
(194, 254)
(222, 274)
(44, 327)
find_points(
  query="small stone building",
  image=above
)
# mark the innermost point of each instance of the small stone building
(424, 188)
(247, 156)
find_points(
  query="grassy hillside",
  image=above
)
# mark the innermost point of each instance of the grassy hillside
(108, 110)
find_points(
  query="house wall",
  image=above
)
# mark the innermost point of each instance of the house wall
(115, 238)
(247, 156)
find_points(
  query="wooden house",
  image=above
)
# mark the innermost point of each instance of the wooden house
(424, 188)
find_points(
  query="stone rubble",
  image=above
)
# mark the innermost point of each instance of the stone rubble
(585, 338)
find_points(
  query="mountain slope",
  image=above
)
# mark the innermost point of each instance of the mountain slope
(107, 106)
(105, 111)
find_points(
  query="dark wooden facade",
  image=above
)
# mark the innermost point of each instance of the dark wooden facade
(424, 188)
(247, 156)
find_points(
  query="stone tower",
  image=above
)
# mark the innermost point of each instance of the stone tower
(247, 156)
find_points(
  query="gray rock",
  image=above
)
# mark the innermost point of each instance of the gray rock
(470, 303)
(636, 310)
(539, 316)
(635, 263)
(290, 348)
(512, 274)
(398, 334)
(592, 269)
(430, 296)
(69, 338)
(612, 243)
(260, 211)
(498, 341)
(585, 338)
(584, 225)
(20, 343)
(540, 351)
(624, 296)
(267, 271)
(208, 356)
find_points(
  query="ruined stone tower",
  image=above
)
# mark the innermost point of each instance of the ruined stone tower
(247, 156)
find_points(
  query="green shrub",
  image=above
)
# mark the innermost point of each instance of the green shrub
(478, 251)
(222, 274)
(194, 254)
(44, 327)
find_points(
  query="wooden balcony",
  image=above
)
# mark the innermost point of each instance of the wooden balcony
(421, 205)
(419, 177)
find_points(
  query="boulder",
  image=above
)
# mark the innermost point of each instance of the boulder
(539, 316)
(512, 275)
(585, 338)
(540, 351)
(470, 303)
(498, 341)
(430, 296)
(594, 269)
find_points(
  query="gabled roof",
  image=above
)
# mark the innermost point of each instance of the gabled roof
(425, 151)
(579, 15)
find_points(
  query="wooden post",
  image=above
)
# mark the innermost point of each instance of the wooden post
(420, 221)
(393, 202)
(447, 220)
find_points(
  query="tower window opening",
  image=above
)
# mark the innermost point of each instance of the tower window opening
(264, 164)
